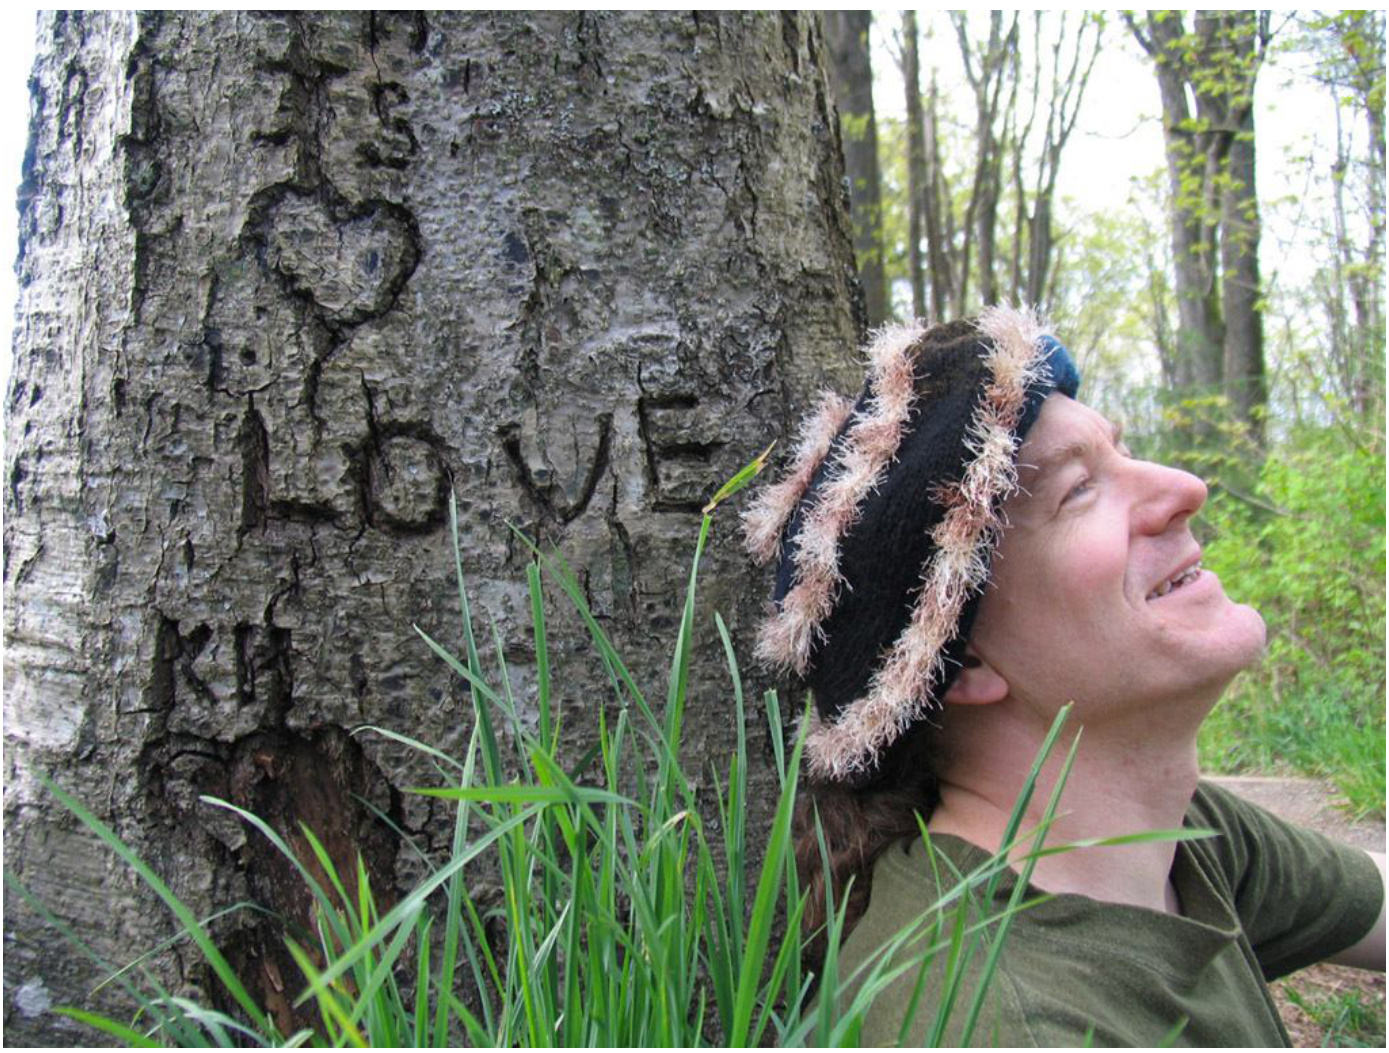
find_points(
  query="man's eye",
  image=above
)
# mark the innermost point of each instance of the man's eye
(1078, 490)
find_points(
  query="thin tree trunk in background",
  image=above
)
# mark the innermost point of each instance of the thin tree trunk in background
(1065, 93)
(987, 71)
(936, 207)
(916, 160)
(1361, 40)
(1342, 346)
(848, 35)
(1245, 385)
(287, 280)
(1017, 149)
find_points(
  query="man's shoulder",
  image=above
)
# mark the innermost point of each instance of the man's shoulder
(1233, 820)
(1072, 967)
(1299, 895)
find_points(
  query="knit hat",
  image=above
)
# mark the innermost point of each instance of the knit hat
(887, 521)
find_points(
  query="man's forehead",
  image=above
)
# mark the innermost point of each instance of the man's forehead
(1064, 430)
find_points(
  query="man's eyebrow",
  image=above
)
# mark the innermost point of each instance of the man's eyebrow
(1042, 464)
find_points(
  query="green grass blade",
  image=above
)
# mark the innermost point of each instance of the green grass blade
(735, 833)
(196, 932)
(744, 475)
(331, 1011)
(458, 900)
(680, 674)
(548, 732)
(421, 1021)
(105, 1024)
(559, 570)
(409, 905)
(390, 824)
(325, 903)
(764, 904)
(406, 740)
(514, 794)
(1020, 886)
(182, 934)
(490, 754)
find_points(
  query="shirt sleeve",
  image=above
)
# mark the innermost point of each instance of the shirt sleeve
(1300, 896)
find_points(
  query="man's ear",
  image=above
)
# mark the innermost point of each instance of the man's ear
(977, 684)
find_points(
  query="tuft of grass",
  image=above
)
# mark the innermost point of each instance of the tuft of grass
(1316, 732)
(630, 913)
(1349, 1018)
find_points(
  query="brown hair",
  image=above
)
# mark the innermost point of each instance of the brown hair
(858, 824)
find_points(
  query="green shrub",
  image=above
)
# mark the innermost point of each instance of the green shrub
(1308, 552)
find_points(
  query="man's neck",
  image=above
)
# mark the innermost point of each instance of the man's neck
(1120, 783)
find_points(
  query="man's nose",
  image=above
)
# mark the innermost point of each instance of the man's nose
(1168, 495)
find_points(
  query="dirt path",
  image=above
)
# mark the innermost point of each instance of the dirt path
(1338, 1006)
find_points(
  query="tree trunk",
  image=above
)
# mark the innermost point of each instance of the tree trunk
(1245, 387)
(286, 281)
(916, 160)
(1215, 218)
(936, 207)
(1064, 93)
(989, 70)
(852, 69)
(1200, 338)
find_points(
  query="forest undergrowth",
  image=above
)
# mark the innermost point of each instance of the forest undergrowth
(1301, 538)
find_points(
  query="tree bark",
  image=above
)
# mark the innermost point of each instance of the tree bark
(286, 281)
(852, 75)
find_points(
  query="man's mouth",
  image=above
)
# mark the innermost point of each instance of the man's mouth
(1186, 577)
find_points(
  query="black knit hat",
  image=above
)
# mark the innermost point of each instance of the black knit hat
(887, 522)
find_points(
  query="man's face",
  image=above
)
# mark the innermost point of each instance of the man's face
(1097, 596)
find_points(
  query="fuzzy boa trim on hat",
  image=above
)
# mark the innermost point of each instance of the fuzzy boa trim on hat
(787, 636)
(901, 690)
(764, 521)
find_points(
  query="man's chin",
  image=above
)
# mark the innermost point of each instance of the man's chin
(1248, 638)
(1256, 619)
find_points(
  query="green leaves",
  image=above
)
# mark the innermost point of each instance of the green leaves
(1308, 552)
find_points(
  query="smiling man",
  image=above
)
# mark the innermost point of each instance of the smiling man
(965, 550)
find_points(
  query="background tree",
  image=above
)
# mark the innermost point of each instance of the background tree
(1062, 60)
(981, 176)
(287, 281)
(991, 70)
(851, 67)
(921, 195)
(1215, 217)
(1347, 56)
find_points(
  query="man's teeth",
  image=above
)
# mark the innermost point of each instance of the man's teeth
(1183, 578)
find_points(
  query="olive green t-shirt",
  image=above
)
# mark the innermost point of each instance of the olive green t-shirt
(1259, 900)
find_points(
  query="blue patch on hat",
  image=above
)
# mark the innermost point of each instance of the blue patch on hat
(1059, 373)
